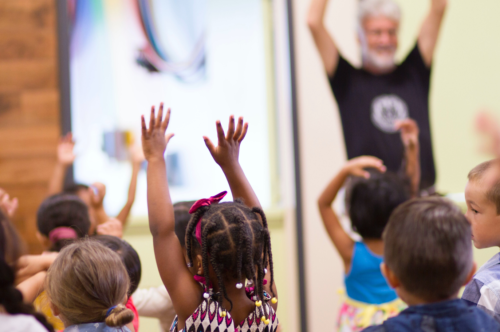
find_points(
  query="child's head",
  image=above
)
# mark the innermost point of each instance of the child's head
(88, 283)
(234, 241)
(128, 255)
(182, 217)
(61, 219)
(371, 201)
(482, 195)
(427, 250)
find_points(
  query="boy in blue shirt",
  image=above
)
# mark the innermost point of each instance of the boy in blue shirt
(482, 195)
(428, 258)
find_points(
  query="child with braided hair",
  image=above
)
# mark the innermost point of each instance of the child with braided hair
(226, 243)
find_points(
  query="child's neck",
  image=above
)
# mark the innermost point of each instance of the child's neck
(412, 300)
(375, 245)
(242, 305)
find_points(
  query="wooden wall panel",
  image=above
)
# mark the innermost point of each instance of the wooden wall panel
(29, 105)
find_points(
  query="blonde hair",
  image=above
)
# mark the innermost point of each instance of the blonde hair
(86, 281)
(386, 8)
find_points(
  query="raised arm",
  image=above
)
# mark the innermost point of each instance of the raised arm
(409, 135)
(226, 155)
(341, 240)
(322, 38)
(65, 158)
(429, 32)
(137, 157)
(32, 287)
(185, 293)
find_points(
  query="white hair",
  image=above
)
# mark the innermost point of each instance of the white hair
(386, 8)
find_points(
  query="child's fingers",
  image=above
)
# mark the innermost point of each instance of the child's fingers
(244, 133)
(220, 133)
(168, 137)
(166, 121)
(230, 128)
(143, 127)
(151, 120)
(209, 144)
(239, 128)
(159, 119)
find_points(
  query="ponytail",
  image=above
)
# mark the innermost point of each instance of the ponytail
(118, 316)
(12, 299)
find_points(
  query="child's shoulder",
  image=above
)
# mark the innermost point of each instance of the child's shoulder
(490, 271)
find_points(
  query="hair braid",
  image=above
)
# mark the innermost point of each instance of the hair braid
(268, 245)
(190, 228)
(204, 255)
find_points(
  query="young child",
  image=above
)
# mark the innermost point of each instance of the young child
(226, 243)
(482, 195)
(370, 200)
(87, 288)
(61, 219)
(132, 264)
(428, 258)
(15, 314)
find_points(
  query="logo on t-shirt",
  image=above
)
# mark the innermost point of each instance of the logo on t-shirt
(386, 110)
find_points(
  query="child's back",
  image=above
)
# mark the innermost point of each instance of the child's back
(428, 257)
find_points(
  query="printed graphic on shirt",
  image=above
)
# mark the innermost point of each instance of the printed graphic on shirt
(386, 110)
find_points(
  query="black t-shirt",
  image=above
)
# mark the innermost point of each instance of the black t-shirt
(369, 104)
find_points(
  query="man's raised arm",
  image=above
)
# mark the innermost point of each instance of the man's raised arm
(323, 40)
(429, 32)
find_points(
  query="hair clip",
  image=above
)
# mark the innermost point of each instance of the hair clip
(266, 321)
(265, 271)
(274, 300)
(190, 264)
(206, 295)
(239, 285)
(223, 314)
(258, 303)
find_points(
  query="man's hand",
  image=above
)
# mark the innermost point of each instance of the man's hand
(154, 140)
(356, 166)
(7, 205)
(227, 151)
(65, 154)
(409, 132)
(111, 227)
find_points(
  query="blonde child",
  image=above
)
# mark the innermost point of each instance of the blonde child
(87, 288)
(226, 243)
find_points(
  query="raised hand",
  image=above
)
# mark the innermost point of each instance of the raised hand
(112, 227)
(409, 132)
(487, 125)
(65, 154)
(136, 154)
(8, 205)
(154, 140)
(357, 166)
(227, 151)
(97, 194)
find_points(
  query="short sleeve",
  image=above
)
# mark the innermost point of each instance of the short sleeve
(340, 80)
(489, 301)
(415, 62)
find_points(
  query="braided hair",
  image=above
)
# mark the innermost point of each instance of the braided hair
(235, 239)
(10, 297)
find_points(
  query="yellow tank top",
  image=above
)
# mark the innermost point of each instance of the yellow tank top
(42, 304)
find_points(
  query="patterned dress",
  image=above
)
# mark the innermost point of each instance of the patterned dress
(208, 317)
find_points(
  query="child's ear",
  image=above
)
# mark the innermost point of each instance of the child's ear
(43, 240)
(199, 265)
(55, 310)
(471, 273)
(389, 276)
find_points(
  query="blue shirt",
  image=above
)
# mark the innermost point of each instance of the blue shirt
(95, 327)
(446, 316)
(365, 282)
(484, 289)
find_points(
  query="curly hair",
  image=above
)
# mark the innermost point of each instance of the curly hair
(235, 239)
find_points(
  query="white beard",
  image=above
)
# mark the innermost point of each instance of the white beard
(384, 63)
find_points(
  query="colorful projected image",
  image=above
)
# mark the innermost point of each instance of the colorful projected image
(204, 59)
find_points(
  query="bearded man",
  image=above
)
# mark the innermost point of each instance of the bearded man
(375, 97)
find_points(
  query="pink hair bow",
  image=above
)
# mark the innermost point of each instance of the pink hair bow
(205, 202)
